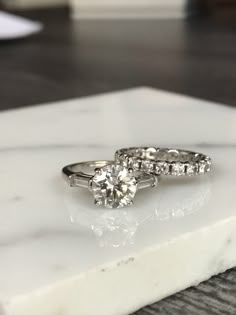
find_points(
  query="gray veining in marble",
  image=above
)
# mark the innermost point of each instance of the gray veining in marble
(54, 242)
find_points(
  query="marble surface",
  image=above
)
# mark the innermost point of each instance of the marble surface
(60, 255)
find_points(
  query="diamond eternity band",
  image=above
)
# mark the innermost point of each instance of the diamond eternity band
(164, 161)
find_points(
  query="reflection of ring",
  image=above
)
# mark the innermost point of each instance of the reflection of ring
(120, 227)
(181, 200)
(164, 161)
(112, 184)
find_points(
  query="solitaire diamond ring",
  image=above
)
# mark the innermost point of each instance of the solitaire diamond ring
(112, 184)
(164, 161)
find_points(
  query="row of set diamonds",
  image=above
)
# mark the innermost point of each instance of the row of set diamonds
(165, 167)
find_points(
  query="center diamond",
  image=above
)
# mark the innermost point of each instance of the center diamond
(113, 186)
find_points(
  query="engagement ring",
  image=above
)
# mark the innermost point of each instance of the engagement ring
(112, 184)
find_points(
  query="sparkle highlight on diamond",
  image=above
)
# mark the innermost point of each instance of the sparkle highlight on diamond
(113, 186)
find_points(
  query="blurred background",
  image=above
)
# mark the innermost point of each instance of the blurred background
(83, 47)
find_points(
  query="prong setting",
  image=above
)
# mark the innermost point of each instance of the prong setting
(113, 186)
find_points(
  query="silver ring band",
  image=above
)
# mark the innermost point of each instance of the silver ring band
(164, 161)
(112, 184)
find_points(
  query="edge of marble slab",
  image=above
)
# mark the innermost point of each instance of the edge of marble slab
(136, 89)
(126, 285)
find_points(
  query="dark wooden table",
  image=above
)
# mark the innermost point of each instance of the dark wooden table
(71, 58)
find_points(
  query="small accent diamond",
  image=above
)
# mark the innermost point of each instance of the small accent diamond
(123, 159)
(204, 166)
(148, 167)
(137, 165)
(163, 167)
(191, 169)
(178, 169)
(208, 166)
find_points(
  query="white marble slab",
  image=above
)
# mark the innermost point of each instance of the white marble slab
(60, 255)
